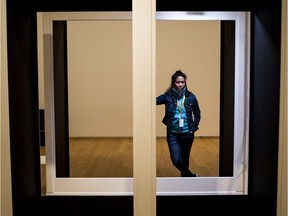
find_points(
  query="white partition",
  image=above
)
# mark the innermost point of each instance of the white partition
(237, 184)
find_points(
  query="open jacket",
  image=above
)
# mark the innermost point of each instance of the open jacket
(191, 106)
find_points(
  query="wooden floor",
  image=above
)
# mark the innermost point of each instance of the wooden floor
(113, 157)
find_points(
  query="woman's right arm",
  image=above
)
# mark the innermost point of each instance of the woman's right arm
(161, 99)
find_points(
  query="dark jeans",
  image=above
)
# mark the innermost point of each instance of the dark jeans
(180, 145)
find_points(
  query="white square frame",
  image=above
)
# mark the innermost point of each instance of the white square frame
(236, 185)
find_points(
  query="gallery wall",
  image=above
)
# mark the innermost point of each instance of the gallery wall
(100, 74)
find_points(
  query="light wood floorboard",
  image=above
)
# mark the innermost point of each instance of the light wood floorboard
(113, 157)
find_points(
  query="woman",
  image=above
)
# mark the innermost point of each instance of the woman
(182, 117)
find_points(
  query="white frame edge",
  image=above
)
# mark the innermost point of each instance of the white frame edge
(237, 185)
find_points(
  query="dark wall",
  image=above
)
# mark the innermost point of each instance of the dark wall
(24, 116)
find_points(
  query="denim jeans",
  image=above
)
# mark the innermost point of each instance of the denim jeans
(180, 145)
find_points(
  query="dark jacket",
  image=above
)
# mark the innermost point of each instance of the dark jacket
(191, 106)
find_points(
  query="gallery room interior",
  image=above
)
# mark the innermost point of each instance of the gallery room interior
(91, 71)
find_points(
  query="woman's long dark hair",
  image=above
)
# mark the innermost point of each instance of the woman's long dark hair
(175, 76)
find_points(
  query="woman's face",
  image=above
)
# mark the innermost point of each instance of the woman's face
(180, 83)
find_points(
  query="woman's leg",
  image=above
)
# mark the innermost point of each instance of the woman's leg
(186, 145)
(174, 143)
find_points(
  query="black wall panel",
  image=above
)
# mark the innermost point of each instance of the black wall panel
(227, 92)
(24, 116)
(61, 98)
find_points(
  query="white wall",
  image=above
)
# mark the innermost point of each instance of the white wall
(5, 164)
(282, 192)
(100, 78)
(100, 73)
